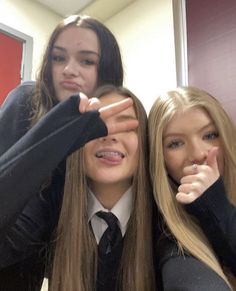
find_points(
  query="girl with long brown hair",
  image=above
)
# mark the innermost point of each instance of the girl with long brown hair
(109, 175)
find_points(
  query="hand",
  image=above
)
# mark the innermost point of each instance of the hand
(87, 104)
(198, 178)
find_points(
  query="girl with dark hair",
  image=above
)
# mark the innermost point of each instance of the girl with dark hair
(40, 126)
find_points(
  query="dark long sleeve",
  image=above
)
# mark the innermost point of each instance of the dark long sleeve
(27, 158)
(25, 165)
(179, 272)
(217, 217)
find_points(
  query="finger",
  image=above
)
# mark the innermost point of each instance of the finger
(122, 126)
(212, 158)
(185, 188)
(184, 198)
(114, 108)
(190, 170)
(187, 179)
(84, 102)
(94, 104)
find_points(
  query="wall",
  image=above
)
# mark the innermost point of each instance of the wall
(146, 36)
(32, 19)
(211, 53)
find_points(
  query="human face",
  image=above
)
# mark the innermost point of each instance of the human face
(75, 58)
(112, 160)
(187, 140)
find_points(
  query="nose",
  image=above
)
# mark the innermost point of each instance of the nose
(71, 68)
(198, 152)
(109, 139)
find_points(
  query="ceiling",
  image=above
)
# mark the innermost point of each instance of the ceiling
(100, 9)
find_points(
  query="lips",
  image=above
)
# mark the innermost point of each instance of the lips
(70, 85)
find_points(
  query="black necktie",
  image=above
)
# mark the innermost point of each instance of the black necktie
(112, 235)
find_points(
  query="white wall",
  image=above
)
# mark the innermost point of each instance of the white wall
(32, 19)
(146, 36)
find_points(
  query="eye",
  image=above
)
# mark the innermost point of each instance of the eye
(88, 62)
(211, 135)
(174, 144)
(58, 58)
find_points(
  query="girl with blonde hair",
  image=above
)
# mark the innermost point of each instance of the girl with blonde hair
(193, 170)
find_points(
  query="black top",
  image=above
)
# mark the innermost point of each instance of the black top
(179, 272)
(28, 157)
(217, 217)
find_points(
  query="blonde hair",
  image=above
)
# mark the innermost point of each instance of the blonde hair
(75, 260)
(183, 228)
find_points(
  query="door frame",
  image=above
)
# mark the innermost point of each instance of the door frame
(180, 36)
(27, 41)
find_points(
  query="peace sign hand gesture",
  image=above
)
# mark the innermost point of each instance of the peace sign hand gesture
(88, 104)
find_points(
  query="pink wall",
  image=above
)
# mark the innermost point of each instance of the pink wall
(211, 42)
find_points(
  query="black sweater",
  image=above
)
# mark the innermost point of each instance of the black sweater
(28, 157)
(217, 217)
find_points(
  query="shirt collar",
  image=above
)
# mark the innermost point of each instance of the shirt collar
(122, 209)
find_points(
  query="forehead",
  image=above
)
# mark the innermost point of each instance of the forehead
(188, 119)
(115, 97)
(78, 37)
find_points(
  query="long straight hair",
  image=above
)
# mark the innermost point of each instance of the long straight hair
(184, 229)
(75, 260)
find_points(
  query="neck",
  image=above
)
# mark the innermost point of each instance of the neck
(109, 194)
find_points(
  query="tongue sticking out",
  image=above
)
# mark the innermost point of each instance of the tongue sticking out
(110, 156)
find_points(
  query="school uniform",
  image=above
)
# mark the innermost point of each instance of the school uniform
(109, 263)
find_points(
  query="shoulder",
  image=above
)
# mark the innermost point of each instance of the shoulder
(20, 94)
(15, 112)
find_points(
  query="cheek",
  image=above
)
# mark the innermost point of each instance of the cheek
(88, 149)
(132, 144)
(55, 76)
(220, 161)
(173, 165)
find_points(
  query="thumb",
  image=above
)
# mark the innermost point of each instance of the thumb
(84, 101)
(211, 159)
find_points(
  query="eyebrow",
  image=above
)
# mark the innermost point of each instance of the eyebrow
(126, 117)
(180, 134)
(83, 52)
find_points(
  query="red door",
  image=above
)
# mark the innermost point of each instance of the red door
(10, 64)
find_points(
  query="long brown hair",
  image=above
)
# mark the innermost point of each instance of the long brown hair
(110, 69)
(184, 229)
(75, 260)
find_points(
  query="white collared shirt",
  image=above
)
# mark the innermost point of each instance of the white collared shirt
(121, 210)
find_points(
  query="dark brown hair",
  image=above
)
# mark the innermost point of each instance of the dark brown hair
(110, 69)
